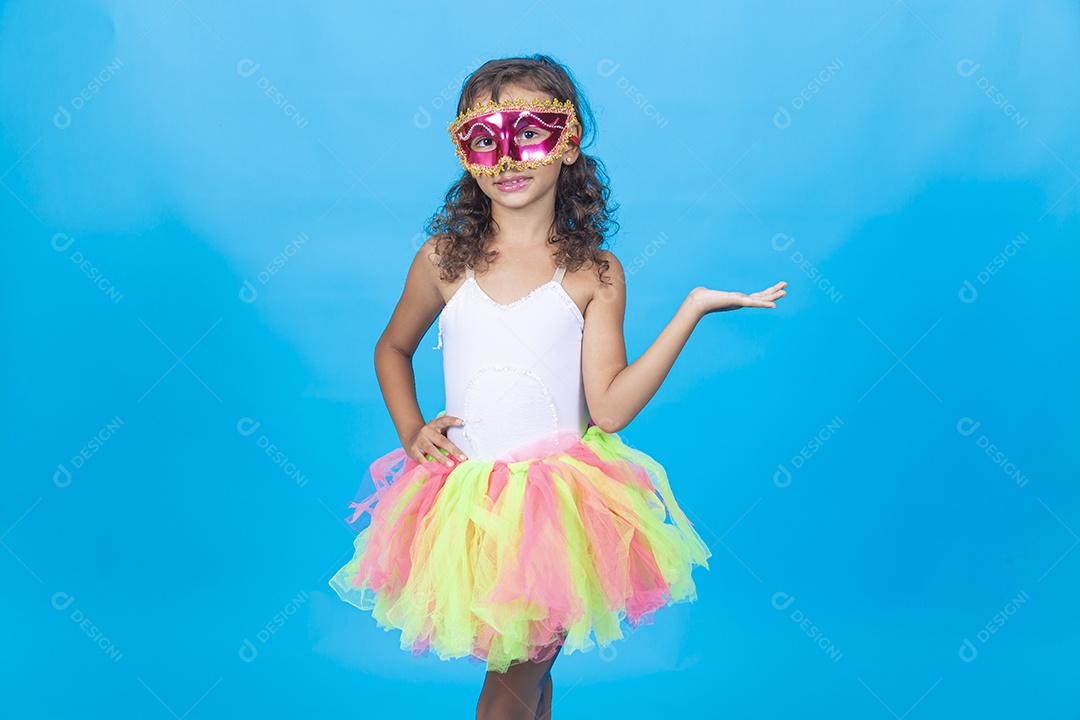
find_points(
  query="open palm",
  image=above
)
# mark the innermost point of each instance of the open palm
(721, 300)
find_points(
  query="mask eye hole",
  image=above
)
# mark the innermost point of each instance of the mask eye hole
(531, 135)
(483, 143)
(477, 137)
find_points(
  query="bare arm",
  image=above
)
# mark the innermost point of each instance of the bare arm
(617, 392)
(417, 308)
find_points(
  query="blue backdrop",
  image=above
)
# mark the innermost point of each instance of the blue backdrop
(208, 212)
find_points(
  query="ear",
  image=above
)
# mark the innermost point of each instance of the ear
(570, 155)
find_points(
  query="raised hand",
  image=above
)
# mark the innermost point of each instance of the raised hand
(720, 300)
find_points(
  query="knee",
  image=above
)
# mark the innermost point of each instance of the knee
(504, 707)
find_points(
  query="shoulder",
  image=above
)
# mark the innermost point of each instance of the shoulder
(602, 261)
(425, 269)
(614, 277)
(428, 266)
(612, 289)
(587, 281)
(614, 266)
(427, 258)
(430, 249)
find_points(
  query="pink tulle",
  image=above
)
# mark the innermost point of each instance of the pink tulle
(536, 577)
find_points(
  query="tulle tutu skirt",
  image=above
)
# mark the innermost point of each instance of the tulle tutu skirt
(505, 561)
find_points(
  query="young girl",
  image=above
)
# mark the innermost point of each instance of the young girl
(517, 523)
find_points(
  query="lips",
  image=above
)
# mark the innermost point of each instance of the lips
(514, 184)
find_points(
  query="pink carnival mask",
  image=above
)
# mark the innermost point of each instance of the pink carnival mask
(515, 134)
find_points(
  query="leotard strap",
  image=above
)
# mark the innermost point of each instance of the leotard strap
(468, 272)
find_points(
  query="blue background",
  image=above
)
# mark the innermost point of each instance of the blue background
(839, 453)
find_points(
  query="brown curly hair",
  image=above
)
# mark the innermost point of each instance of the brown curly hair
(584, 215)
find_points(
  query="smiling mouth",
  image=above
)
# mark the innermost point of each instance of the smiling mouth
(513, 184)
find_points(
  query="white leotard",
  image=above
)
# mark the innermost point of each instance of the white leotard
(512, 372)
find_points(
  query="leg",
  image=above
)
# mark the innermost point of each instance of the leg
(543, 710)
(523, 692)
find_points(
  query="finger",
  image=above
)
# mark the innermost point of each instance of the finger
(444, 442)
(425, 451)
(448, 421)
(772, 291)
(770, 294)
(455, 451)
(436, 453)
(433, 454)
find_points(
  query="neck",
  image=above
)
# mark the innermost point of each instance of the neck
(524, 227)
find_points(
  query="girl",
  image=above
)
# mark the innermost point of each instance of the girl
(517, 523)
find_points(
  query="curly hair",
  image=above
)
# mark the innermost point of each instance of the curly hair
(584, 215)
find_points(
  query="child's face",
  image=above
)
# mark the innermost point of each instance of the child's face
(529, 186)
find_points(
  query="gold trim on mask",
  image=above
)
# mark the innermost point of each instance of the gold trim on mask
(505, 162)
